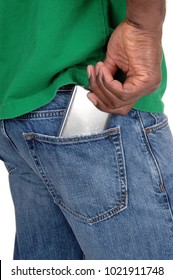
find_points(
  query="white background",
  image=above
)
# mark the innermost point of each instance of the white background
(7, 223)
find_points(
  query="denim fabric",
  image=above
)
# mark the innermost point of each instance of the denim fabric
(107, 195)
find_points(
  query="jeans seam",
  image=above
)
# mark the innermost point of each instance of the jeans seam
(12, 170)
(121, 164)
(42, 114)
(109, 213)
(66, 140)
(154, 117)
(156, 127)
(149, 149)
(8, 138)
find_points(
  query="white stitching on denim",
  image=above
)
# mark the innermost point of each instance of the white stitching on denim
(60, 140)
(156, 127)
(42, 114)
(148, 147)
(111, 212)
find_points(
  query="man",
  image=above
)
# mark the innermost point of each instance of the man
(106, 195)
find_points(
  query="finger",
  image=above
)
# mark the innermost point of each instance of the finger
(93, 84)
(122, 110)
(119, 111)
(96, 85)
(116, 96)
(132, 89)
(111, 96)
(140, 86)
(101, 106)
(113, 86)
(129, 91)
(110, 64)
(108, 100)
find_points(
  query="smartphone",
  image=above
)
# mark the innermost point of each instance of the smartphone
(82, 117)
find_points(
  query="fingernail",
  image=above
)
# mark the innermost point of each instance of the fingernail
(94, 102)
(92, 99)
(97, 70)
(89, 71)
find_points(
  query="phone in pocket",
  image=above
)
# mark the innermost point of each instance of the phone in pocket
(82, 117)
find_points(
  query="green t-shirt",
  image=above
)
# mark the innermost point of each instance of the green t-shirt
(45, 44)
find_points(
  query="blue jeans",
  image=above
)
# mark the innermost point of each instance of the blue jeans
(102, 196)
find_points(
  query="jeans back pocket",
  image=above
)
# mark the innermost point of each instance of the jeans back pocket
(85, 174)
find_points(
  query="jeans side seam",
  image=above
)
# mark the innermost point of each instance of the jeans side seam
(154, 159)
(8, 138)
(149, 149)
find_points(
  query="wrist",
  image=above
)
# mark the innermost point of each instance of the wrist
(146, 15)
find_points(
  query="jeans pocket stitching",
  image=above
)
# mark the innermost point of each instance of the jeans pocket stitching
(122, 200)
(156, 127)
(43, 114)
(108, 214)
(70, 139)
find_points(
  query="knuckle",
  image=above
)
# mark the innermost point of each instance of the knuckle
(116, 104)
(103, 108)
(93, 87)
(99, 82)
(99, 64)
(154, 81)
(158, 81)
(123, 97)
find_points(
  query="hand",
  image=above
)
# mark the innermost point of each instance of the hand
(138, 53)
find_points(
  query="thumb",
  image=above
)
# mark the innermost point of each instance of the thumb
(110, 65)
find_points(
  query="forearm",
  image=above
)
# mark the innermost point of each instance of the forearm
(146, 14)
